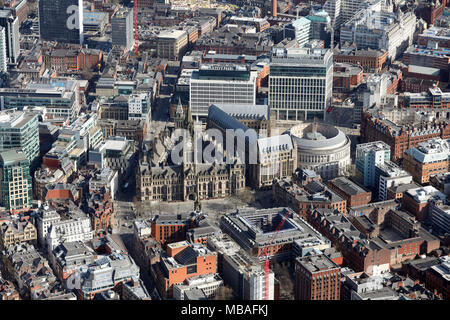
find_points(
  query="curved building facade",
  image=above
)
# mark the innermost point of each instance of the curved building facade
(322, 148)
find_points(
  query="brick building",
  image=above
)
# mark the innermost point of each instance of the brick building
(8, 290)
(71, 59)
(101, 211)
(346, 77)
(61, 191)
(315, 194)
(252, 229)
(437, 278)
(416, 201)
(350, 191)
(181, 261)
(396, 192)
(171, 228)
(427, 159)
(417, 269)
(402, 135)
(370, 60)
(358, 253)
(429, 10)
(317, 278)
(374, 247)
(433, 98)
(427, 57)
(375, 211)
(416, 85)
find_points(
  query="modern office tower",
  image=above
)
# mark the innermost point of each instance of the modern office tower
(389, 31)
(16, 192)
(11, 25)
(20, 130)
(59, 102)
(317, 277)
(320, 26)
(138, 106)
(387, 175)
(439, 216)
(172, 44)
(221, 83)
(333, 8)
(368, 155)
(3, 58)
(300, 83)
(61, 20)
(350, 7)
(341, 11)
(122, 28)
(300, 30)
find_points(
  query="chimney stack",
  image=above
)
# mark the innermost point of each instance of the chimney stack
(274, 8)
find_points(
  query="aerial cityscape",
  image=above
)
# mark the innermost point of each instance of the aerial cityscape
(236, 150)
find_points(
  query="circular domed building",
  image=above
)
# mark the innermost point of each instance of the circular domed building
(322, 148)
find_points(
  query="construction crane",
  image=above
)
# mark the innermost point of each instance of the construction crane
(136, 38)
(265, 254)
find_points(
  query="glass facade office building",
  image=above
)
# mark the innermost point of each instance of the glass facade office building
(16, 186)
(300, 83)
(20, 130)
(57, 20)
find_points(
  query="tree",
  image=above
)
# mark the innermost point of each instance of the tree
(224, 293)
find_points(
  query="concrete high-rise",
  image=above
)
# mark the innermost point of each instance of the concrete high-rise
(61, 20)
(15, 181)
(333, 8)
(11, 26)
(368, 155)
(300, 30)
(221, 83)
(122, 28)
(380, 30)
(3, 58)
(300, 83)
(341, 11)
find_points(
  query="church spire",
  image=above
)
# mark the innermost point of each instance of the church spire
(189, 121)
(180, 112)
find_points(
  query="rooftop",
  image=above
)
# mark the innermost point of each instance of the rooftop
(245, 111)
(317, 263)
(172, 34)
(12, 156)
(373, 146)
(391, 170)
(423, 194)
(433, 150)
(348, 186)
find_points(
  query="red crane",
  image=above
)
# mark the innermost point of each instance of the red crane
(136, 38)
(265, 254)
